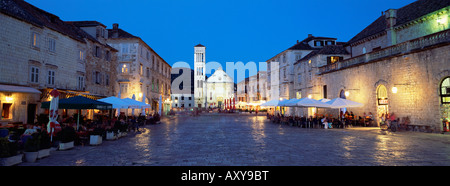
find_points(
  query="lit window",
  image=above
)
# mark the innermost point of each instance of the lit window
(125, 69)
(35, 40)
(81, 56)
(445, 91)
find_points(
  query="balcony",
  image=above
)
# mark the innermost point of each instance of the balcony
(401, 48)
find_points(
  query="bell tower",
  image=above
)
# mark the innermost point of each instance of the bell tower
(199, 75)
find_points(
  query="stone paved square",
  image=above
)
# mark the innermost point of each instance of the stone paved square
(248, 140)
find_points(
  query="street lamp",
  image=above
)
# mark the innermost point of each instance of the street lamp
(394, 90)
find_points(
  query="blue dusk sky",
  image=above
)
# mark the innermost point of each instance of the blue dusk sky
(231, 30)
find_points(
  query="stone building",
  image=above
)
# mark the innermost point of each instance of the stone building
(200, 75)
(141, 72)
(398, 64)
(219, 89)
(38, 52)
(306, 81)
(100, 59)
(252, 91)
(280, 68)
(242, 91)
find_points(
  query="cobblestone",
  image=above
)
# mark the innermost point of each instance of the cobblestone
(241, 140)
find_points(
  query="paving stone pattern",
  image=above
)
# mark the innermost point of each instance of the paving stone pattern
(241, 140)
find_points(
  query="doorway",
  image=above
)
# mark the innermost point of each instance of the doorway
(382, 103)
(31, 113)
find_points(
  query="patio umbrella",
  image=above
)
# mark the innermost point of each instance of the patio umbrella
(324, 100)
(53, 113)
(289, 103)
(308, 102)
(271, 103)
(343, 103)
(79, 102)
(116, 102)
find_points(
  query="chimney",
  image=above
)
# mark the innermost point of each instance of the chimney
(298, 41)
(391, 17)
(309, 35)
(391, 20)
(115, 26)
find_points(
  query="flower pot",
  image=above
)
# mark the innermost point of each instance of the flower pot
(13, 160)
(110, 136)
(31, 156)
(95, 140)
(43, 153)
(65, 146)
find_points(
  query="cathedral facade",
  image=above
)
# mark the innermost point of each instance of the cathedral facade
(214, 91)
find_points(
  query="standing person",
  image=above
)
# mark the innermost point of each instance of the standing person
(134, 123)
(382, 119)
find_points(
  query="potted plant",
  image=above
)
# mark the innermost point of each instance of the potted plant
(8, 153)
(95, 137)
(66, 137)
(110, 134)
(44, 145)
(31, 148)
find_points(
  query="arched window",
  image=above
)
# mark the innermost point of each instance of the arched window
(342, 94)
(445, 91)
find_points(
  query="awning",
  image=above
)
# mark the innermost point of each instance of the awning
(12, 88)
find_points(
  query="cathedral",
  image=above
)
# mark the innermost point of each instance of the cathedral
(212, 92)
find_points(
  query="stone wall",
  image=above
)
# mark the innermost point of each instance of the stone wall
(417, 77)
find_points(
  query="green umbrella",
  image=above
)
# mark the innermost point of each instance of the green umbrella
(79, 102)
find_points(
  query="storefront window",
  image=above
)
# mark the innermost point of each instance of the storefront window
(445, 91)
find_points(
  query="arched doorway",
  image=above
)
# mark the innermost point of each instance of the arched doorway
(444, 93)
(342, 94)
(382, 102)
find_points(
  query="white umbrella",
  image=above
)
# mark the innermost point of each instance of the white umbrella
(116, 102)
(271, 103)
(308, 102)
(289, 103)
(324, 100)
(286, 102)
(343, 103)
(53, 113)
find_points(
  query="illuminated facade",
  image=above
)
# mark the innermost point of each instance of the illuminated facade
(398, 64)
(141, 71)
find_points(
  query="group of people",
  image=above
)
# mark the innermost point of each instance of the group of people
(345, 119)
(309, 122)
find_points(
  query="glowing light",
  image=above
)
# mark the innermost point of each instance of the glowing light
(310, 96)
(394, 90)
(347, 93)
(9, 99)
